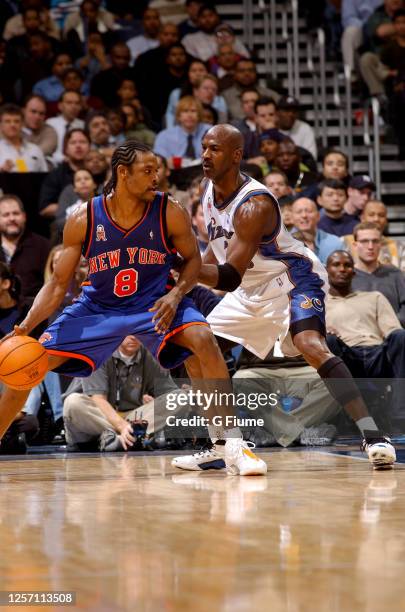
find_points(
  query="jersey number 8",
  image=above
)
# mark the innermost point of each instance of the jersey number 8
(126, 282)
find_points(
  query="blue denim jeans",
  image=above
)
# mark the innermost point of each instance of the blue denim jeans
(52, 385)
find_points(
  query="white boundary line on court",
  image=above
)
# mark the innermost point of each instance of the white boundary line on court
(339, 454)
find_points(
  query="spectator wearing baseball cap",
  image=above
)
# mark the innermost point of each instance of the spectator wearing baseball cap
(299, 131)
(263, 118)
(269, 141)
(268, 145)
(360, 190)
(272, 134)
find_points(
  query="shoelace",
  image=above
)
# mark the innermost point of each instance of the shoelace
(381, 440)
(207, 451)
(245, 444)
(250, 444)
(204, 453)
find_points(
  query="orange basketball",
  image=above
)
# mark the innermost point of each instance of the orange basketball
(23, 362)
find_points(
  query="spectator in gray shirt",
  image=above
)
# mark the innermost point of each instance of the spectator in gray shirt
(373, 276)
(101, 409)
(245, 77)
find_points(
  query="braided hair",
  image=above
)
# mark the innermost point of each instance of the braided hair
(125, 155)
(15, 283)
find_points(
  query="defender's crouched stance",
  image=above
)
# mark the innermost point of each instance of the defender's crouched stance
(276, 286)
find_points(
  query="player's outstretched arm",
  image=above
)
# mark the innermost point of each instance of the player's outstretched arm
(184, 240)
(52, 293)
(255, 219)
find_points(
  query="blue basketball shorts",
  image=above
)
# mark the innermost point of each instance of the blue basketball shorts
(88, 333)
(307, 309)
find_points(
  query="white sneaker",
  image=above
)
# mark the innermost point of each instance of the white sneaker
(380, 452)
(208, 459)
(240, 459)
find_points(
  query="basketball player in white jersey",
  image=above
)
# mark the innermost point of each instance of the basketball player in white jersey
(275, 285)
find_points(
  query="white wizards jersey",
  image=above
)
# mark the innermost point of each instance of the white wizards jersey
(281, 262)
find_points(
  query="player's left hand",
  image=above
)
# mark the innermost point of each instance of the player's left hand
(164, 309)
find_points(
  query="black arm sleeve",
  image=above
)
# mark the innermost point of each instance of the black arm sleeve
(229, 278)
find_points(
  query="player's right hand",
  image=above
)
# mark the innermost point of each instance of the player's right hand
(165, 310)
(20, 330)
(126, 437)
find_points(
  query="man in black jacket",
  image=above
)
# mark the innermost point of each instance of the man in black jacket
(105, 84)
(25, 252)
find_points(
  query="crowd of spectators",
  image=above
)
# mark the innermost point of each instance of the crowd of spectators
(373, 47)
(79, 78)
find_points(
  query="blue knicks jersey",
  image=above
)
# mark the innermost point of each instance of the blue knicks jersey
(128, 268)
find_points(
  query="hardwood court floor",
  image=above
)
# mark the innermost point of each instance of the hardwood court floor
(321, 532)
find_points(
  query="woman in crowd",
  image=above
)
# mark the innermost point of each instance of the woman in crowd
(181, 144)
(196, 71)
(206, 91)
(135, 128)
(84, 188)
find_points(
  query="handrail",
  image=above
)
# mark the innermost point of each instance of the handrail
(273, 34)
(322, 65)
(375, 105)
(315, 85)
(295, 49)
(269, 26)
(319, 86)
(372, 141)
(337, 101)
(349, 120)
(287, 39)
(248, 11)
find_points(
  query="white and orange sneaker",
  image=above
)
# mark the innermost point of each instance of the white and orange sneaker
(240, 460)
(236, 456)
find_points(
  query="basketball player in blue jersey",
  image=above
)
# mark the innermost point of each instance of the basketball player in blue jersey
(276, 286)
(130, 237)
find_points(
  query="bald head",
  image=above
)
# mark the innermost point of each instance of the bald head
(228, 135)
(222, 153)
(305, 215)
(307, 202)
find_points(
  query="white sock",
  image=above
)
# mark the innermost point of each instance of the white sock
(216, 432)
(219, 433)
(366, 423)
(234, 432)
